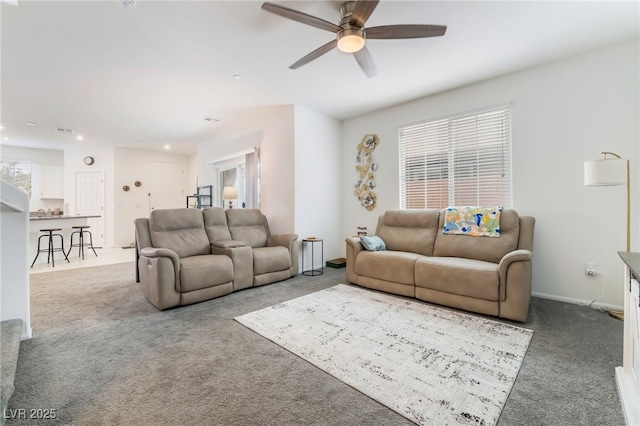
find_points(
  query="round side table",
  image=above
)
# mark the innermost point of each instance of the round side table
(312, 241)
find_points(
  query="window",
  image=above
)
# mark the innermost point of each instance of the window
(463, 160)
(17, 173)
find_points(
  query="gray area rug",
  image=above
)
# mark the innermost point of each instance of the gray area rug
(433, 366)
(102, 355)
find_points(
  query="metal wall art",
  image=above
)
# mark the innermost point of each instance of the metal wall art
(365, 168)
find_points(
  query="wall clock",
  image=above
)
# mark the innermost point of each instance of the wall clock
(88, 160)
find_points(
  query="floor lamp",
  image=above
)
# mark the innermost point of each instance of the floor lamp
(611, 172)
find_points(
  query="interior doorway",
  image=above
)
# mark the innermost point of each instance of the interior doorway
(166, 188)
(90, 201)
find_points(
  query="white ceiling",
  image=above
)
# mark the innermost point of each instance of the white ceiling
(148, 76)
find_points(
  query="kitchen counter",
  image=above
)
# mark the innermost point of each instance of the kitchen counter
(632, 260)
(67, 216)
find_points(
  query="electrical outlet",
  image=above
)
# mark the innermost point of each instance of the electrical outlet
(590, 269)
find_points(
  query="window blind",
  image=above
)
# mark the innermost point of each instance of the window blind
(462, 160)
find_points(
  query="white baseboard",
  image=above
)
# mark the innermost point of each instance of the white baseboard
(26, 334)
(596, 304)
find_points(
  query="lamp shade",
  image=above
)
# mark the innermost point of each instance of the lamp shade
(229, 193)
(605, 172)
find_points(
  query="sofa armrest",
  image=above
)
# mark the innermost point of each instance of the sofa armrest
(227, 244)
(290, 241)
(152, 252)
(160, 276)
(520, 255)
(353, 248)
(284, 240)
(354, 243)
(514, 271)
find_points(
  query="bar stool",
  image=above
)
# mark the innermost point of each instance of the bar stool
(81, 230)
(50, 247)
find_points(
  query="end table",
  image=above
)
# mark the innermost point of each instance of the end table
(312, 241)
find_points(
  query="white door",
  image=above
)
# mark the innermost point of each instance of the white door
(90, 201)
(165, 185)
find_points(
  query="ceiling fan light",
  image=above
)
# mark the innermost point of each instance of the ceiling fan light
(350, 40)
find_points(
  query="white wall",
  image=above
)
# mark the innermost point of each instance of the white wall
(271, 129)
(104, 162)
(121, 166)
(563, 114)
(220, 151)
(134, 165)
(318, 181)
(191, 176)
(14, 275)
(300, 178)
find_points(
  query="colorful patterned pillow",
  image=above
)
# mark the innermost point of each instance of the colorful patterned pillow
(474, 221)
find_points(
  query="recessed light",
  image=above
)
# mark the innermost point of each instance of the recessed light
(167, 147)
(5, 138)
(212, 120)
(30, 123)
(1, 127)
(236, 76)
(80, 138)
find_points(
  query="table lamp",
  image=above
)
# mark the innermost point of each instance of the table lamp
(230, 193)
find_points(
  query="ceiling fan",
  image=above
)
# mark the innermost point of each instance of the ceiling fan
(351, 33)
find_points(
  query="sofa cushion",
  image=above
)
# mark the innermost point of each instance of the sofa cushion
(198, 272)
(215, 223)
(466, 277)
(373, 243)
(393, 266)
(249, 226)
(180, 230)
(409, 230)
(270, 259)
(480, 248)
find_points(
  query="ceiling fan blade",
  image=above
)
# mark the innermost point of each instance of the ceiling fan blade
(365, 60)
(405, 31)
(362, 11)
(301, 17)
(315, 54)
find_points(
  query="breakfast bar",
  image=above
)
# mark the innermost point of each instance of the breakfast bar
(64, 222)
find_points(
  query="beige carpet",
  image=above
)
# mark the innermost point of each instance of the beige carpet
(102, 355)
(85, 297)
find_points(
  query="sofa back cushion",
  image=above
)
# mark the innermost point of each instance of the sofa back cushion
(249, 226)
(480, 248)
(180, 230)
(409, 230)
(215, 223)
